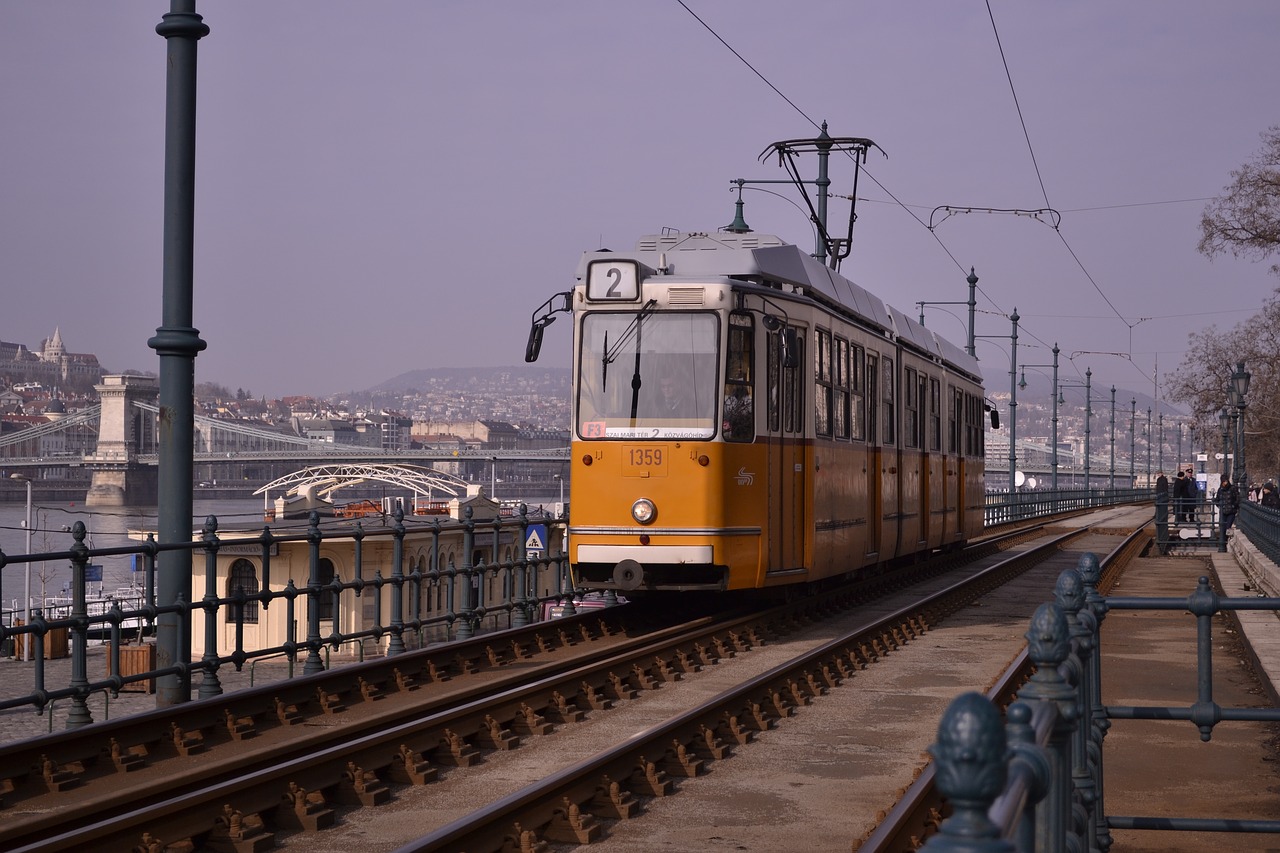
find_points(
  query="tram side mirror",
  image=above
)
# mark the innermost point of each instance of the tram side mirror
(995, 419)
(790, 345)
(534, 346)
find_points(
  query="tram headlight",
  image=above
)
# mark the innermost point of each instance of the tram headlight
(644, 511)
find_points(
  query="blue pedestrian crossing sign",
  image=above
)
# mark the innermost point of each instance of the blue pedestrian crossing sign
(535, 541)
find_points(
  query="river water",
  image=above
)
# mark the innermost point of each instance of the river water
(107, 527)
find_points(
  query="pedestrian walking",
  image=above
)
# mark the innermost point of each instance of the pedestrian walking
(1270, 498)
(1181, 496)
(1228, 501)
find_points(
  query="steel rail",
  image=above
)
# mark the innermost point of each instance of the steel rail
(919, 811)
(557, 808)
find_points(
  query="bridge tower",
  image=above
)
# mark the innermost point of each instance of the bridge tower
(125, 433)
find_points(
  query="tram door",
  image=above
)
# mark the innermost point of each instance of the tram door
(875, 461)
(785, 423)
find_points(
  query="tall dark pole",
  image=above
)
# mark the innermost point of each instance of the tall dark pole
(1111, 476)
(177, 343)
(1013, 403)
(1133, 415)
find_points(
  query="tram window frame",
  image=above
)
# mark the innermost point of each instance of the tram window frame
(910, 408)
(873, 396)
(888, 432)
(840, 415)
(793, 389)
(738, 420)
(823, 391)
(955, 425)
(935, 414)
(857, 393)
(773, 383)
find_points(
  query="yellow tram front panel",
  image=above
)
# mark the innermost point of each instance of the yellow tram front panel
(703, 530)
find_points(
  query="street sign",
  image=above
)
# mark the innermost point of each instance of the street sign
(536, 540)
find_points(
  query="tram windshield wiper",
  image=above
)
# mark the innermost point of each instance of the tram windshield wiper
(610, 355)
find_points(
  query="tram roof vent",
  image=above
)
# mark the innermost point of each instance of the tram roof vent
(686, 296)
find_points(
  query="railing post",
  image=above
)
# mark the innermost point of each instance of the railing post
(1048, 645)
(1204, 604)
(1030, 762)
(79, 714)
(395, 645)
(466, 629)
(313, 663)
(1069, 595)
(210, 685)
(519, 596)
(1096, 607)
(970, 757)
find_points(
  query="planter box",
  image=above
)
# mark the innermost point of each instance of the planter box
(56, 644)
(135, 660)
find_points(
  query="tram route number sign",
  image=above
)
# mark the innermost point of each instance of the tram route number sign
(535, 541)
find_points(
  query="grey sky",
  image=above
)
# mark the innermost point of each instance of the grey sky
(385, 186)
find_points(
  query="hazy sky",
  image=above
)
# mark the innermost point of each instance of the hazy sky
(384, 186)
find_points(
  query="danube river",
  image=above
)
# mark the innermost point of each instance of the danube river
(107, 527)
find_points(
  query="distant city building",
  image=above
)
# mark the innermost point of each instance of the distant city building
(50, 364)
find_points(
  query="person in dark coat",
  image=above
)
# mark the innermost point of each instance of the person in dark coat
(1228, 501)
(1270, 498)
(1180, 496)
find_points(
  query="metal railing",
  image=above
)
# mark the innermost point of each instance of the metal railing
(1262, 527)
(1007, 507)
(1032, 781)
(402, 614)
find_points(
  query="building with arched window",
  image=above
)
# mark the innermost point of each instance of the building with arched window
(243, 566)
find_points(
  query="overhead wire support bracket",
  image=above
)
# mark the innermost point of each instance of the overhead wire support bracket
(1047, 215)
(830, 250)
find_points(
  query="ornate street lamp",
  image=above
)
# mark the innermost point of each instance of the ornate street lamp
(1239, 388)
(26, 598)
(1088, 421)
(1022, 383)
(1133, 416)
(1224, 421)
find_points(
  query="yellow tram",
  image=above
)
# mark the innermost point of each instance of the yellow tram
(746, 418)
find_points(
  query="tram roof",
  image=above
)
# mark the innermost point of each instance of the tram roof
(766, 257)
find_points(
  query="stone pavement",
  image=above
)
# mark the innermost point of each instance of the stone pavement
(1244, 571)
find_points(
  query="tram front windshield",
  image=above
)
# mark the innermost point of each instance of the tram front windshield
(648, 375)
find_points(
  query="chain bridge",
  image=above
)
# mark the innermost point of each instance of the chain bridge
(116, 441)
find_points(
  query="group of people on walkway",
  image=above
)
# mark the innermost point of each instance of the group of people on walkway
(1185, 499)
(1228, 499)
(1184, 495)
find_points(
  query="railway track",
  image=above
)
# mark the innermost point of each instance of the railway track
(247, 771)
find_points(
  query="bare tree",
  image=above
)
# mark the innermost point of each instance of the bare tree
(1246, 220)
(1201, 382)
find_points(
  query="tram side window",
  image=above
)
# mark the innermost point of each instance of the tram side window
(243, 576)
(911, 409)
(857, 416)
(773, 383)
(873, 396)
(841, 367)
(888, 434)
(739, 422)
(793, 390)
(935, 415)
(956, 440)
(823, 392)
(973, 426)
